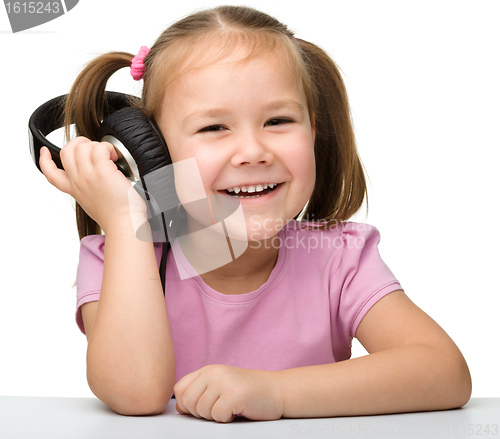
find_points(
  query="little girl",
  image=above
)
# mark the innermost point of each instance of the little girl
(267, 335)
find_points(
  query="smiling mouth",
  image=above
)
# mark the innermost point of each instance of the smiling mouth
(252, 194)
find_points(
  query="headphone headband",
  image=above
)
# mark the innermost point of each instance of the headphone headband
(47, 118)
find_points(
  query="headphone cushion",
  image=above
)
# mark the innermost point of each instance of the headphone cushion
(140, 135)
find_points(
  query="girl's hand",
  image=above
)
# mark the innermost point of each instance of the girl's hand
(91, 177)
(219, 393)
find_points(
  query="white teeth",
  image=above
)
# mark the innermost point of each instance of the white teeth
(252, 189)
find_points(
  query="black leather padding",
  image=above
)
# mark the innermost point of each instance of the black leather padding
(140, 135)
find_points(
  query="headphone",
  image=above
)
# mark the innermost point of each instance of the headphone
(139, 143)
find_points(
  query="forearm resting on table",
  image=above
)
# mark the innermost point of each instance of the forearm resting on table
(130, 357)
(403, 379)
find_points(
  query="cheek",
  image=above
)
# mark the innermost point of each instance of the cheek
(310, 174)
(193, 183)
(210, 165)
(302, 164)
(188, 181)
(306, 166)
(196, 169)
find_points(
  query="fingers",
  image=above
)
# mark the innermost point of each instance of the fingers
(113, 154)
(55, 176)
(207, 403)
(194, 396)
(103, 154)
(78, 156)
(221, 412)
(79, 162)
(182, 412)
(83, 155)
(197, 400)
(180, 390)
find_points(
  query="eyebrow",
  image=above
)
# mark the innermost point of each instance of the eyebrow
(219, 112)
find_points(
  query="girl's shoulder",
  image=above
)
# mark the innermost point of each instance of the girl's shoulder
(93, 244)
(331, 240)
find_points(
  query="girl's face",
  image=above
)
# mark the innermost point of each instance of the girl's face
(246, 125)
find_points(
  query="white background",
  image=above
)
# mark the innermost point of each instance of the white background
(423, 80)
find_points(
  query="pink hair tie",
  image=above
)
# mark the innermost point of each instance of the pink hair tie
(137, 65)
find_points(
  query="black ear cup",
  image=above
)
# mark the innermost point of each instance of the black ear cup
(140, 136)
(141, 139)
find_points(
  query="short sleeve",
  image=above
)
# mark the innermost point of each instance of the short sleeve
(89, 273)
(362, 278)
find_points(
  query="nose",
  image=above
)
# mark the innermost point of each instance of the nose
(251, 151)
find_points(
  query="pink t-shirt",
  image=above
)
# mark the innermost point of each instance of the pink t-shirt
(323, 284)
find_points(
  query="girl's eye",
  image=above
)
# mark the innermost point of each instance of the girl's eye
(212, 128)
(278, 121)
(272, 122)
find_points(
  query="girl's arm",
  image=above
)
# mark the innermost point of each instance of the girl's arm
(130, 356)
(412, 365)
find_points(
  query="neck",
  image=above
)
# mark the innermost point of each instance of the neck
(219, 262)
(258, 260)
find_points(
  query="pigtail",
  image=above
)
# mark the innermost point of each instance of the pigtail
(340, 182)
(86, 106)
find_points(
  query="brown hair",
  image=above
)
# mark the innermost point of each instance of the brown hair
(340, 186)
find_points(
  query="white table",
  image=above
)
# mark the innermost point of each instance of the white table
(89, 418)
